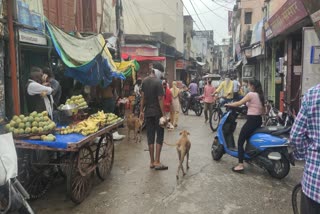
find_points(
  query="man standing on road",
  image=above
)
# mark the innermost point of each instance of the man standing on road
(193, 88)
(236, 88)
(201, 86)
(208, 100)
(152, 100)
(305, 138)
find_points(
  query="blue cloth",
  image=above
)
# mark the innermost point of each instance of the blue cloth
(61, 142)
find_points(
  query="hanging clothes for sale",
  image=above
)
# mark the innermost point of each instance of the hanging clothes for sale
(128, 68)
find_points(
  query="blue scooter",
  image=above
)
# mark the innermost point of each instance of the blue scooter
(267, 147)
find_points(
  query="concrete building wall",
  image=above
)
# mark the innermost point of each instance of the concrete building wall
(145, 17)
(255, 7)
(274, 6)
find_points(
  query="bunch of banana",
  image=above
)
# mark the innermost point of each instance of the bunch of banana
(88, 126)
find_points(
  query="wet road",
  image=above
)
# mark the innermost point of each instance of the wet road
(208, 187)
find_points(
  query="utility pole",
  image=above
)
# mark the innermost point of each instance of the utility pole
(119, 27)
(13, 60)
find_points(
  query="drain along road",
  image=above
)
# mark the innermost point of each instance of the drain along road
(208, 187)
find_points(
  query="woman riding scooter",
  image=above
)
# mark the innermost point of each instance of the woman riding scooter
(255, 103)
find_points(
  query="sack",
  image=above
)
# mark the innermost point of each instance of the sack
(8, 158)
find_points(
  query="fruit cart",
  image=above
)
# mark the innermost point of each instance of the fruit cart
(73, 156)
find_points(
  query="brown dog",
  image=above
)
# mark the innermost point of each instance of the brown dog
(183, 147)
(134, 124)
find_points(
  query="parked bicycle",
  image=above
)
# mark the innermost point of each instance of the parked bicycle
(276, 118)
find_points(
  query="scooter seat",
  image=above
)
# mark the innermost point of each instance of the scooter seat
(273, 130)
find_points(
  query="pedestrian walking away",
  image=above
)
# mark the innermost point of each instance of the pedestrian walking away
(152, 103)
(201, 86)
(175, 110)
(167, 102)
(208, 99)
(236, 88)
(255, 103)
(305, 139)
(193, 88)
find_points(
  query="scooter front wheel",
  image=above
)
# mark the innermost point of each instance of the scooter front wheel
(280, 168)
(217, 150)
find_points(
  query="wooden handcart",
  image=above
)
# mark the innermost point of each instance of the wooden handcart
(39, 165)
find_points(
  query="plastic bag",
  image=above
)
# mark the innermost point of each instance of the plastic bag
(8, 158)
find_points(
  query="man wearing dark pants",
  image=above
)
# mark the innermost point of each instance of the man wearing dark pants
(152, 101)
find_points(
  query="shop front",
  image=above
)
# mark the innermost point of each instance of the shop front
(283, 33)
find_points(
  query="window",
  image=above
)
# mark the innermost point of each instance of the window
(247, 17)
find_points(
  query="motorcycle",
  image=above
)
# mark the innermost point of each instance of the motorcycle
(267, 147)
(13, 197)
(196, 103)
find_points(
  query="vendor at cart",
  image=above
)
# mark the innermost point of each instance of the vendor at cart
(109, 97)
(38, 96)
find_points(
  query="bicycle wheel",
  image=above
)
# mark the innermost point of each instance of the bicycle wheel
(215, 120)
(296, 199)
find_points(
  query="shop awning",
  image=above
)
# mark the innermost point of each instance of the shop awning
(87, 59)
(143, 58)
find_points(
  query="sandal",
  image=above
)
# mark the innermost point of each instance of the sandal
(237, 170)
(161, 167)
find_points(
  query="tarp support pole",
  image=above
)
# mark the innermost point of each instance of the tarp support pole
(13, 60)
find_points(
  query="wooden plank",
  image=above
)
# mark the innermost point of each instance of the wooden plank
(72, 147)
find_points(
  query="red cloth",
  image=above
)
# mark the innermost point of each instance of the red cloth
(167, 100)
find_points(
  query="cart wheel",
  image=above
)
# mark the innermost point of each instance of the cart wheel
(36, 179)
(62, 165)
(104, 156)
(79, 179)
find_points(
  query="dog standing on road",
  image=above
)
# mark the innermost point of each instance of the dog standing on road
(134, 124)
(183, 148)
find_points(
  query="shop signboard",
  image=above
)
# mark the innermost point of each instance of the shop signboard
(313, 8)
(248, 71)
(311, 59)
(289, 14)
(140, 50)
(180, 64)
(30, 14)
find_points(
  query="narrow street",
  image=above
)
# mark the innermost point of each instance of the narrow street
(208, 187)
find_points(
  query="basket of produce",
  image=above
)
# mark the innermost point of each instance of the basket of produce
(35, 124)
(68, 109)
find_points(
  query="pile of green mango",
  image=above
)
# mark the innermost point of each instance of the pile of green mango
(35, 123)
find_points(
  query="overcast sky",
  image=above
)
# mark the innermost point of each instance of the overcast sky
(212, 13)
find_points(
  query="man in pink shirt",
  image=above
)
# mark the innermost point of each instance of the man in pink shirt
(208, 99)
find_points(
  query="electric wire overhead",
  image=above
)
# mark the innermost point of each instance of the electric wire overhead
(197, 14)
(224, 19)
(147, 26)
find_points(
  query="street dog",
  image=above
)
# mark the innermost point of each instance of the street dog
(183, 148)
(134, 124)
